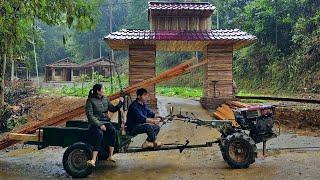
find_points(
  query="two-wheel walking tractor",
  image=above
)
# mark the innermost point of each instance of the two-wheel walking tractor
(237, 144)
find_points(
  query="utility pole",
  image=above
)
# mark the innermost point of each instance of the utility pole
(275, 1)
(217, 19)
(110, 26)
(112, 54)
(100, 47)
(35, 60)
(12, 69)
(3, 77)
(35, 53)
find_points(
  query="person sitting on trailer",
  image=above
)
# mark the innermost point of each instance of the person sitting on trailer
(99, 123)
(140, 119)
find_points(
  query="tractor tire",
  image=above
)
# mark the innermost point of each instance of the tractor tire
(75, 160)
(238, 150)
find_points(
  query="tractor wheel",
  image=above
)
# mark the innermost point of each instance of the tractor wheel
(238, 150)
(75, 160)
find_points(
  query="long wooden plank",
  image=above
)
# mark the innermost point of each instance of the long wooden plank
(71, 114)
(228, 109)
(315, 101)
(226, 113)
(236, 104)
(219, 116)
(178, 70)
(31, 128)
(240, 104)
(25, 137)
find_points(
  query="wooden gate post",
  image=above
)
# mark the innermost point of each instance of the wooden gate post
(142, 65)
(218, 76)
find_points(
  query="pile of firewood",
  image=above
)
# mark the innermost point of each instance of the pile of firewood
(225, 111)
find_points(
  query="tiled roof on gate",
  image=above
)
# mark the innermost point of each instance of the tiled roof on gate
(232, 34)
(176, 9)
(180, 6)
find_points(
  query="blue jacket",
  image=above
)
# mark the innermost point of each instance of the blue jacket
(137, 114)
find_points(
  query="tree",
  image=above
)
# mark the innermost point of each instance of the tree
(17, 14)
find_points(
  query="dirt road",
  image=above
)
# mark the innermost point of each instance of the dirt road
(204, 163)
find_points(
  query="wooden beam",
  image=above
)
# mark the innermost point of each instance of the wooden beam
(315, 101)
(80, 110)
(25, 137)
(226, 113)
(219, 116)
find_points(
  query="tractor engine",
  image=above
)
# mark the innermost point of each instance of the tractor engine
(258, 120)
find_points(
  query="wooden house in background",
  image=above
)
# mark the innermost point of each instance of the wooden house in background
(21, 70)
(183, 27)
(67, 70)
(62, 70)
(101, 65)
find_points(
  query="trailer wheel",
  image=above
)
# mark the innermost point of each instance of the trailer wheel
(75, 160)
(238, 150)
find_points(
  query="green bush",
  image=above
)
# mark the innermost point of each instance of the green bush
(14, 122)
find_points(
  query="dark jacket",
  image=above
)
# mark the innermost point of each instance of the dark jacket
(96, 109)
(137, 114)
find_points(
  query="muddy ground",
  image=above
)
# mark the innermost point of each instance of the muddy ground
(204, 163)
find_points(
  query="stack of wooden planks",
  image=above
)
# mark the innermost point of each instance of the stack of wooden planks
(33, 126)
(226, 111)
(71, 114)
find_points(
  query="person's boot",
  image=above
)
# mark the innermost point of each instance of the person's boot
(91, 163)
(147, 144)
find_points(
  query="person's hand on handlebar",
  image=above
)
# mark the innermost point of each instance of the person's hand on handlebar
(156, 121)
(160, 117)
(153, 120)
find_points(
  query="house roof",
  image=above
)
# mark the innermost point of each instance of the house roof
(20, 64)
(66, 62)
(180, 8)
(98, 62)
(178, 40)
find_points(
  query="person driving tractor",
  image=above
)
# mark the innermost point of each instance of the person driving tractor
(140, 119)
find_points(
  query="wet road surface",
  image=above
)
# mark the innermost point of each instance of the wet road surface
(202, 163)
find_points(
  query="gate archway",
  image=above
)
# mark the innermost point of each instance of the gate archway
(183, 27)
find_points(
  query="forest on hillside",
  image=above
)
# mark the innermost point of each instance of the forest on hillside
(286, 56)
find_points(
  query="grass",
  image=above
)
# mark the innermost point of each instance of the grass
(75, 90)
(79, 89)
(165, 90)
(185, 92)
(247, 93)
